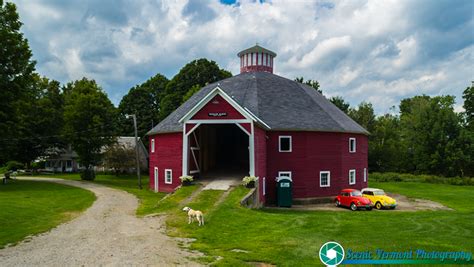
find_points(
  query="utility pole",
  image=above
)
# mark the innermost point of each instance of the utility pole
(136, 148)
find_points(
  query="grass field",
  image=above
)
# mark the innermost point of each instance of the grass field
(293, 238)
(28, 207)
(148, 199)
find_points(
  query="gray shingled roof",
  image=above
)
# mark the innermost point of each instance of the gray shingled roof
(281, 103)
(256, 49)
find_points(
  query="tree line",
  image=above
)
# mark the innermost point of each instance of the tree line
(38, 114)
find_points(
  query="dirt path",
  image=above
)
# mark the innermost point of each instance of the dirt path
(108, 233)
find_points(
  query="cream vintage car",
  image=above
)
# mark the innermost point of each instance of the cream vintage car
(379, 199)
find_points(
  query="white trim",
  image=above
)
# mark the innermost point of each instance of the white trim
(153, 145)
(264, 186)
(156, 176)
(355, 145)
(252, 151)
(170, 171)
(365, 175)
(329, 178)
(352, 171)
(185, 151)
(192, 129)
(282, 174)
(223, 121)
(257, 118)
(208, 97)
(279, 143)
(243, 129)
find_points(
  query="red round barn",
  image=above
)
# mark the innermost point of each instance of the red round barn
(260, 124)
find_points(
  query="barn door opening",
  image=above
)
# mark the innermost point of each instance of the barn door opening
(221, 150)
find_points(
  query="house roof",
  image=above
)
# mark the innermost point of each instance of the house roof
(256, 49)
(281, 103)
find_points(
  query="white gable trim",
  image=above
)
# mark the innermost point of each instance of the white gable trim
(218, 91)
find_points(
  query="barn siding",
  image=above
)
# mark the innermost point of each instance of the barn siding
(260, 145)
(217, 105)
(168, 155)
(313, 152)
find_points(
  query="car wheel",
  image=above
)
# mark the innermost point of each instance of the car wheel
(338, 203)
(378, 205)
(353, 207)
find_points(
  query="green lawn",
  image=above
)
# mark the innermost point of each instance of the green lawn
(30, 207)
(293, 238)
(148, 198)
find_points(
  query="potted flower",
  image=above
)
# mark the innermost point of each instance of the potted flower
(186, 180)
(249, 181)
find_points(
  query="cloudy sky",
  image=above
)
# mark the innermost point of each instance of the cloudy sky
(377, 51)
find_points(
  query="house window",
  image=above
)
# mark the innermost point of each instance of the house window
(352, 177)
(264, 187)
(284, 144)
(168, 176)
(152, 145)
(365, 174)
(352, 145)
(325, 179)
(69, 164)
(284, 174)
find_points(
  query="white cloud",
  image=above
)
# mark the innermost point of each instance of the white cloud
(363, 50)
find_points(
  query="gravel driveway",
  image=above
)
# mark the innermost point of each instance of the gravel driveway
(106, 234)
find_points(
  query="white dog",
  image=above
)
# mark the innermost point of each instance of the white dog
(194, 214)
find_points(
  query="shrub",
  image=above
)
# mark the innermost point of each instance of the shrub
(248, 179)
(424, 178)
(88, 175)
(13, 165)
(186, 178)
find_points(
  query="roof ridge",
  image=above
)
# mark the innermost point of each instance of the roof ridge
(331, 114)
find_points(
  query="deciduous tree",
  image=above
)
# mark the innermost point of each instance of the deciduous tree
(89, 122)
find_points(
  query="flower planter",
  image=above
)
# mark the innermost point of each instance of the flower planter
(251, 184)
(187, 183)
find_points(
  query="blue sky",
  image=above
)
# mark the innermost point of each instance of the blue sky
(376, 51)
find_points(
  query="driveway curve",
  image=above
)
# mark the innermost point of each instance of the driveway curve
(107, 234)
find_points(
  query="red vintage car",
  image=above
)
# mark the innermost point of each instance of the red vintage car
(353, 199)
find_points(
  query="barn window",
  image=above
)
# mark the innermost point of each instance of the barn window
(284, 144)
(365, 174)
(264, 187)
(168, 176)
(156, 179)
(324, 179)
(352, 176)
(152, 145)
(284, 174)
(352, 145)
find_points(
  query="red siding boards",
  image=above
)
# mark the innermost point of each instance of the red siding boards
(313, 152)
(260, 145)
(167, 155)
(217, 109)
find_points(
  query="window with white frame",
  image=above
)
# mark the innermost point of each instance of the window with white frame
(324, 179)
(284, 143)
(152, 145)
(352, 145)
(168, 176)
(264, 188)
(284, 174)
(156, 179)
(352, 176)
(365, 174)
